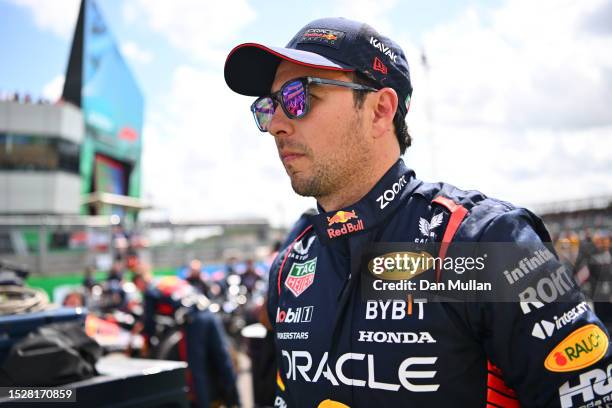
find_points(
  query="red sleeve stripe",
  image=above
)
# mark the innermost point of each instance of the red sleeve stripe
(493, 369)
(497, 384)
(458, 213)
(280, 271)
(496, 398)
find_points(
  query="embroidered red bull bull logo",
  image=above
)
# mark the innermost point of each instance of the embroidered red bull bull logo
(301, 276)
(322, 36)
(342, 217)
(328, 37)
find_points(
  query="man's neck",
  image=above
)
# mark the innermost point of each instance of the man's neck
(356, 189)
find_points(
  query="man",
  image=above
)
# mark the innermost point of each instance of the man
(194, 277)
(335, 99)
(250, 276)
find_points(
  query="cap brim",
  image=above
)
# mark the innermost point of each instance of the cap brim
(250, 68)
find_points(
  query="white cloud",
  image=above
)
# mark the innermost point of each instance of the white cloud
(517, 99)
(374, 12)
(520, 102)
(58, 16)
(52, 91)
(135, 53)
(526, 65)
(205, 158)
(200, 28)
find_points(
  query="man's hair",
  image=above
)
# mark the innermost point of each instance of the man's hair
(399, 122)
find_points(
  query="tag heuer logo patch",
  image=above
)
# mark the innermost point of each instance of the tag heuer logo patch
(301, 276)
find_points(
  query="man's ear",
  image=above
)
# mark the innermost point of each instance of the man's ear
(384, 107)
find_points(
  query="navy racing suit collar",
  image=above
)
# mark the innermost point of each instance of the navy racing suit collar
(397, 184)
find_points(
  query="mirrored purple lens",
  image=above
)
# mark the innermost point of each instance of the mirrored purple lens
(294, 98)
(263, 110)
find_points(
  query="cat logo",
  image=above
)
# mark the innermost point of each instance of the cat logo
(426, 227)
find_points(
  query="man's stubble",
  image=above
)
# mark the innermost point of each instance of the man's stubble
(331, 172)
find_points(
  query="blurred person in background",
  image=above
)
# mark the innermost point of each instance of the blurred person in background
(587, 247)
(251, 275)
(195, 278)
(119, 241)
(74, 299)
(116, 272)
(89, 281)
(599, 265)
(202, 341)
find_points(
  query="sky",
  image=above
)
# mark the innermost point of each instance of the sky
(514, 101)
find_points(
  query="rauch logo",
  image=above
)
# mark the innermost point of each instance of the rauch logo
(580, 349)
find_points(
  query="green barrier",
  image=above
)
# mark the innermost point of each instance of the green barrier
(49, 283)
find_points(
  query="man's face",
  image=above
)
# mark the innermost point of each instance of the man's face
(327, 148)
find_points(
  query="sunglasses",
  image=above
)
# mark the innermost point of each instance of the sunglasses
(294, 98)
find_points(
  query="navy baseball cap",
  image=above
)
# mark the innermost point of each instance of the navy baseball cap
(328, 43)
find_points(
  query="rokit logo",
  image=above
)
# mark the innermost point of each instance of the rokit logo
(300, 367)
(593, 384)
(547, 290)
(395, 337)
(389, 195)
(394, 309)
(297, 315)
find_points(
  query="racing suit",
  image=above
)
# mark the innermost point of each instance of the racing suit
(544, 347)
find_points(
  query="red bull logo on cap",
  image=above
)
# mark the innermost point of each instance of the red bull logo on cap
(342, 217)
(329, 37)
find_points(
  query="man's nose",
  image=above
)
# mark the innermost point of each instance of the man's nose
(280, 124)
